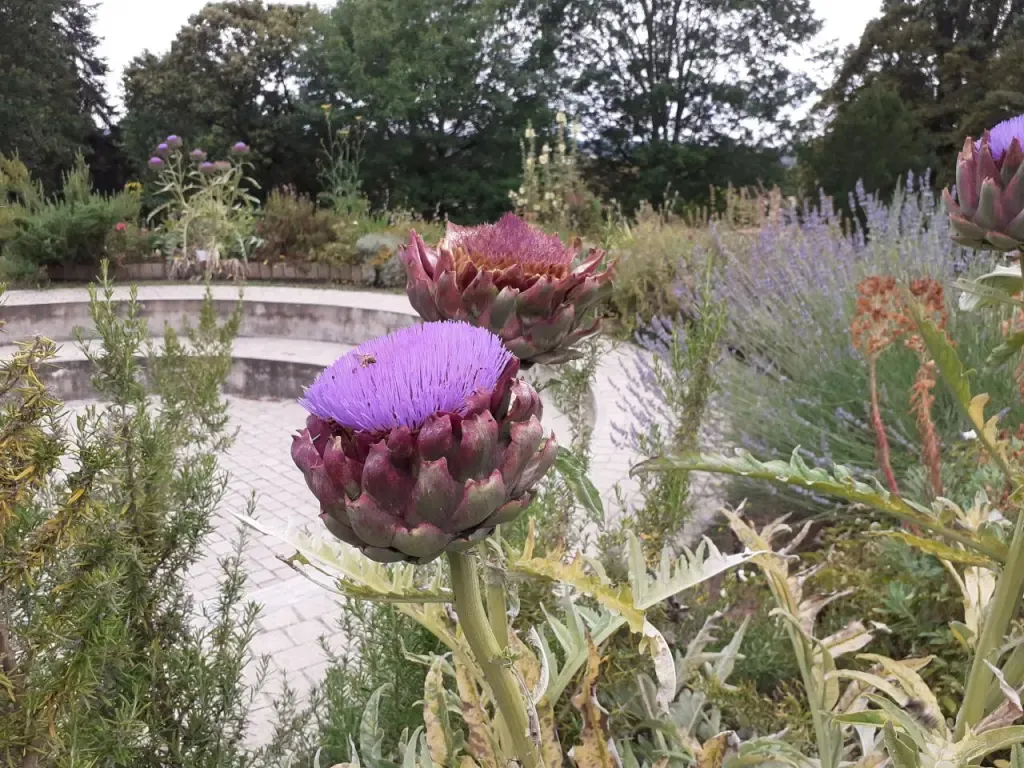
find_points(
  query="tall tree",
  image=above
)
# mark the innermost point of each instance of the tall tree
(678, 71)
(229, 76)
(51, 88)
(874, 138)
(955, 64)
(442, 88)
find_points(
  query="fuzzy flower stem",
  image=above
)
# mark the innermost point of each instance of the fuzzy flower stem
(475, 625)
(881, 441)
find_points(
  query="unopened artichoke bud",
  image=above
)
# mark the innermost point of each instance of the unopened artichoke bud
(986, 208)
(512, 279)
(422, 441)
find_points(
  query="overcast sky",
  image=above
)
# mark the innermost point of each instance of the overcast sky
(129, 27)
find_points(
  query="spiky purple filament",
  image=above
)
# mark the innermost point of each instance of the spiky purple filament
(510, 241)
(404, 378)
(1002, 136)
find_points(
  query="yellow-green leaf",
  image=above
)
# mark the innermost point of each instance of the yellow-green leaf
(942, 551)
(435, 715)
(842, 486)
(596, 749)
(480, 739)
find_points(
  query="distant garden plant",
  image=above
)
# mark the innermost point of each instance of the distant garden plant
(208, 208)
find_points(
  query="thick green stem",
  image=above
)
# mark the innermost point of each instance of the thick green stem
(477, 628)
(1002, 609)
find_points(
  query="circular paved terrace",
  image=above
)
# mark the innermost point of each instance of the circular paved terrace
(287, 335)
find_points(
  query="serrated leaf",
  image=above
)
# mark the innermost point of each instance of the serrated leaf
(901, 754)
(371, 735)
(942, 551)
(1005, 351)
(531, 669)
(600, 627)
(796, 473)
(409, 753)
(715, 750)
(572, 471)
(359, 576)
(596, 750)
(913, 684)
(619, 600)
(435, 715)
(873, 718)
(998, 286)
(850, 638)
(480, 741)
(670, 578)
(973, 748)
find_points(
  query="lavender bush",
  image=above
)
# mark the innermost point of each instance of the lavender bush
(795, 379)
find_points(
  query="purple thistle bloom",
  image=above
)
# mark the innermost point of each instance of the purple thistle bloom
(198, 155)
(222, 165)
(162, 147)
(174, 141)
(155, 162)
(1002, 136)
(241, 148)
(402, 379)
(510, 241)
(207, 168)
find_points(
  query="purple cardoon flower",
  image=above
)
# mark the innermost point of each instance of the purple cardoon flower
(222, 165)
(985, 204)
(173, 141)
(207, 168)
(401, 379)
(198, 155)
(156, 162)
(1001, 137)
(421, 441)
(241, 148)
(162, 148)
(513, 279)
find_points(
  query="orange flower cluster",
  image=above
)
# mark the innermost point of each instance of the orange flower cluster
(882, 318)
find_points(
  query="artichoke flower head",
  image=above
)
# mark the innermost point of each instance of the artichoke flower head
(513, 279)
(986, 208)
(422, 441)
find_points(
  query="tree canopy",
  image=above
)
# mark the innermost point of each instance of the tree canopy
(51, 94)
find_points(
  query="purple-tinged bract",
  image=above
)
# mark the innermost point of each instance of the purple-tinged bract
(422, 441)
(513, 279)
(987, 211)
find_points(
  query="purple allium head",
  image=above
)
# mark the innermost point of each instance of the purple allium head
(1002, 136)
(241, 148)
(509, 242)
(173, 141)
(156, 162)
(402, 379)
(207, 168)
